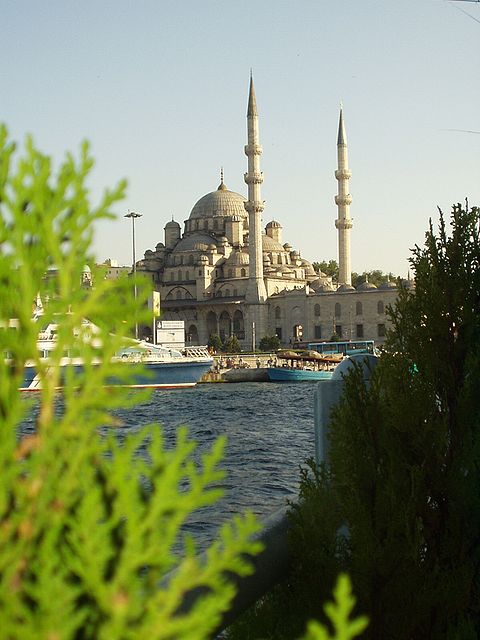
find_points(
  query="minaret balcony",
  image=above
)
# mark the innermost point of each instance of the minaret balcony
(254, 207)
(343, 174)
(253, 149)
(345, 223)
(253, 177)
(343, 200)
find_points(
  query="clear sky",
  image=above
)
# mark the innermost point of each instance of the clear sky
(160, 87)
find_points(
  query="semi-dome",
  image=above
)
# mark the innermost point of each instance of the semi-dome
(221, 202)
(269, 244)
(194, 242)
(237, 259)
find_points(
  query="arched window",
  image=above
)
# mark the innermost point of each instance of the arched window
(190, 259)
(235, 292)
(316, 310)
(219, 294)
(215, 224)
(338, 310)
(278, 313)
(171, 276)
(187, 275)
(179, 295)
(179, 275)
(380, 307)
(230, 273)
(243, 273)
(359, 309)
(205, 224)
(227, 293)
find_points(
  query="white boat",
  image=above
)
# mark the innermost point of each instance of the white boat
(163, 367)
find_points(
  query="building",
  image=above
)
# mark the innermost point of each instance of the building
(227, 275)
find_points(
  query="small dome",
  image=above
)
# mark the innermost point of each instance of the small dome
(387, 285)
(159, 246)
(366, 286)
(273, 225)
(269, 244)
(287, 246)
(221, 202)
(172, 224)
(345, 287)
(321, 285)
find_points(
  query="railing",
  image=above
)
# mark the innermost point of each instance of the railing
(270, 567)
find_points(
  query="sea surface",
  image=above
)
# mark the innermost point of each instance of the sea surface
(270, 434)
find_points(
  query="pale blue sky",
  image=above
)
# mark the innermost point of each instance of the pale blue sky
(160, 91)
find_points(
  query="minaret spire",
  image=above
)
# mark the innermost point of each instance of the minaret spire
(343, 201)
(256, 291)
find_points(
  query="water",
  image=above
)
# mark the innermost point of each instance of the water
(270, 433)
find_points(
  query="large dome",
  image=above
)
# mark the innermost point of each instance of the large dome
(221, 202)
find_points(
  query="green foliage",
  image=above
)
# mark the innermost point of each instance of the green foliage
(335, 337)
(215, 342)
(338, 612)
(403, 475)
(272, 627)
(376, 276)
(231, 345)
(269, 343)
(90, 525)
(329, 268)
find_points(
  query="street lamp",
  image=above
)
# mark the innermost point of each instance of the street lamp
(134, 216)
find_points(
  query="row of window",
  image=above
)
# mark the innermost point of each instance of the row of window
(338, 310)
(243, 274)
(339, 330)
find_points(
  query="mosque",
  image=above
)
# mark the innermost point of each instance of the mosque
(226, 275)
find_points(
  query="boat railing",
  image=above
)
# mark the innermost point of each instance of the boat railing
(197, 352)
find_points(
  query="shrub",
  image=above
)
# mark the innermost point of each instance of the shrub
(269, 343)
(89, 527)
(398, 505)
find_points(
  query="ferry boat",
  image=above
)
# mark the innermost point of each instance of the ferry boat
(303, 367)
(162, 368)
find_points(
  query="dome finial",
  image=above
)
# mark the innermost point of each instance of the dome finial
(221, 186)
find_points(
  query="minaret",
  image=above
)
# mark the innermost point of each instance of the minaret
(343, 201)
(256, 292)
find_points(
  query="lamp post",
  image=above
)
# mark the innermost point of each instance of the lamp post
(134, 216)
